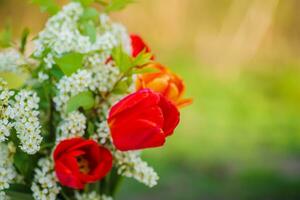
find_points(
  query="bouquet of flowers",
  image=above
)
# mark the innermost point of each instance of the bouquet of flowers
(92, 98)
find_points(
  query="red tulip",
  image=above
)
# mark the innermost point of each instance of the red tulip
(142, 120)
(79, 161)
(138, 45)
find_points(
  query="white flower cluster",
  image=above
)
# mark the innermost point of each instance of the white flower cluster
(73, 125)
(102, 133)
(62, 35)
(7, 170)
(3, 196)
(71, 86)
(42, 77)
(11, 61)
(91, 196)
(26, 115)
(22, 114)
(5, 124)
(104, 77)
(131, 165)
(44, 186)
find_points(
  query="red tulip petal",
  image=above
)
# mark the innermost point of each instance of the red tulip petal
(83, 144)
(153, 114)
(102, 168)
(65, 145)
(144, 98)
(171, 115)
(66, 177)
(138, 45)
(139, 134)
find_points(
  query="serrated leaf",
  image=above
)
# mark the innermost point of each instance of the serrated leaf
(89, 29)
(116, 5)
(142, 58)
(122, 60)
(24, 38)
(83, 100)
(70, 62)
(48, 6)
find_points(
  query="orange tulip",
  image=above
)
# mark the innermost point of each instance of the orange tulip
(164, 82)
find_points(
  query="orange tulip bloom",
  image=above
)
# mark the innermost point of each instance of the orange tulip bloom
(164, 82)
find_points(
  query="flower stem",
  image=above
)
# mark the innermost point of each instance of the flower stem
(65, 195)
(114, 182)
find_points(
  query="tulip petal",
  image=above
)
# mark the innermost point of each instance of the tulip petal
(104, 166)
(144, 98)
(139, 134)
(171, 115)
(172, 92)
(159, 84)
(152, 114)
(66, 177)
(138, 45)
(63, 146)
(184, 102)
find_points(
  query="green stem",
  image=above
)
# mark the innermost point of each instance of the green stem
(114, 182)
(65, 195)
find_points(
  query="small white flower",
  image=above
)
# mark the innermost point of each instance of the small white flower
(5, 111)
(26, 115)
(104, 78)
(7, 170)
(73, 125)
(131, 165)
(11, 61)
(3, 196)
(102, 134)
(91, 196)
(71, 86)
(62, 35)
(42, 77)
(44, 186)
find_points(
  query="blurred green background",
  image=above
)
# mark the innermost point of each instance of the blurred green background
(241, 63)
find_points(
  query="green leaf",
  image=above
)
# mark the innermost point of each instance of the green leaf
(89, 14)
(25, 163)
(24, 38)
(116, 5)
(83, 100)
(122, 60)
(85, 2)
(91, 128)
(144, 70)
(142, 58)
(6, 36)
(56, 72)
(89, 29)
(70, 62)
(15, 81)
(47, 6)
(19, 192)
(121, 87)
